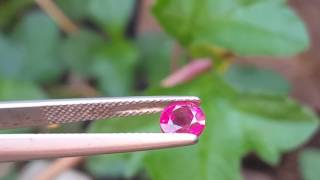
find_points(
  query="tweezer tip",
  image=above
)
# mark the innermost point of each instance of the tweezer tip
(182, 138)
(193, 139)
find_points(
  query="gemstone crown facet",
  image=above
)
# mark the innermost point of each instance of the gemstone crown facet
(182, 117)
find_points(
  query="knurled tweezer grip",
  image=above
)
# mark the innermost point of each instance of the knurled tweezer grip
(14, 114)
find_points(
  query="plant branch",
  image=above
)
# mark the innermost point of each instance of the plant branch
(57, 15)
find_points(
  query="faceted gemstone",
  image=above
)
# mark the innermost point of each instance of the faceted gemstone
(182, 117)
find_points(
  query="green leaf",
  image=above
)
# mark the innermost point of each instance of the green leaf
(41, 46)
(237, 124)
(116, 165)
(114, 68)
(74, 9)
(125, 164)
(113, 15)
(79, 49)
(16, 131)
(148, 123)
(177, 164)
(309, 164)
(252, 79)
(17, 90)
(10, 9)
(156, 53)
(245, 28)
(272, 124)
(11, 58)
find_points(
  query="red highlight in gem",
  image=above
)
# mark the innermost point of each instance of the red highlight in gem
(182, 117)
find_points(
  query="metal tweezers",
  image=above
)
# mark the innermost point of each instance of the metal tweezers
(17, 114)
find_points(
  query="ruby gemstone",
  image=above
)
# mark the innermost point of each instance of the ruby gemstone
(182, 117)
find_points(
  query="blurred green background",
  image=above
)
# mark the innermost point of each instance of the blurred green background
(65, 49)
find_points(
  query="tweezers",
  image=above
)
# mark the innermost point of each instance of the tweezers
(17, 114)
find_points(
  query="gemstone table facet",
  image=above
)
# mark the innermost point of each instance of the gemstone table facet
(182, 117)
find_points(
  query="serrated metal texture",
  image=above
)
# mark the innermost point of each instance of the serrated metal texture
(16, 114)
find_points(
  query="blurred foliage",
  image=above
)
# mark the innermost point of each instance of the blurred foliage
(243, 27)
(74, 9)
(113, 16)
(41, 46)
(126, 164)
(247, 108)
(237, 123)
(156, 50)
(256, 80)
(310, 162)
(78, 49)
(10, 9)
(119, 60)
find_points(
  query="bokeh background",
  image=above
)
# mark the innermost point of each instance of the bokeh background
(254, 64)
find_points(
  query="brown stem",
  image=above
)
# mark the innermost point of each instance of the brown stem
(57, 15)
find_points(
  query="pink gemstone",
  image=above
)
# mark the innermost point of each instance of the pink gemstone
(182, 117)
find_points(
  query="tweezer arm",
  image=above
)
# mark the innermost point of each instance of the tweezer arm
(18, 147)
(16, 114)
